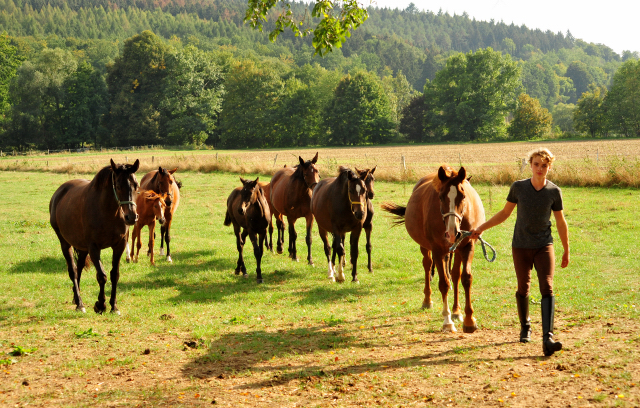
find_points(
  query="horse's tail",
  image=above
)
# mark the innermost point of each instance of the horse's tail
(395, 209)
(87, 263)
(227, 219)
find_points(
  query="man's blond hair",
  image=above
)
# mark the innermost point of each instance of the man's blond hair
(544, 153)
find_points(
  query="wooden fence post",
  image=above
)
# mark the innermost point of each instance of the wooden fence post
(404, 164)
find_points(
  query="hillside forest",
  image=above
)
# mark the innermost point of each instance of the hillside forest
(78, 73)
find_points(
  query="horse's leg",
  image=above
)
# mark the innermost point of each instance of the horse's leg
(293, 253)
(338, 248)
(327, 252)
(353, 241)
(367, 232)
(167, 238)
(456, 313)
(343, 260)
(257, 253)
(469, 324)
(137, 235)
(269, 243)
(152, 242)
(427, 263)
(441, 261)
(163, 232)
(309, 219)
(127, 250)
(115, 274)
(67, 252)
(239, 245)
(101, 276)
(280, 228)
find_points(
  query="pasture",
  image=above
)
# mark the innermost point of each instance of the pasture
(192, 333)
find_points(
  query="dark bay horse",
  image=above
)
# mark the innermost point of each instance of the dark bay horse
(266, 189)
(89, 216)
(441, 205)
(368, 177)
(248, 211)
(151, 207)
(162, 181)
(339, 205)
(291, 189)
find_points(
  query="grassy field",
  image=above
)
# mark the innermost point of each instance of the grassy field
(192, 333)
(591, 163)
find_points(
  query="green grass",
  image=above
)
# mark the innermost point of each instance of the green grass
(296, 309)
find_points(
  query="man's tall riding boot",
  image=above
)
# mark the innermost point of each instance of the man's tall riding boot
(548, 345)
(523, 315)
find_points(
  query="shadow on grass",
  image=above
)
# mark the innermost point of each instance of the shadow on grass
(251, 350)
(46, 264)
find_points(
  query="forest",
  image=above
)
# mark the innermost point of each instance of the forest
(83, 73)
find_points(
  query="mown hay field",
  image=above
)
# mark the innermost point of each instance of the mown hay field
(193, 334)
(580, 163)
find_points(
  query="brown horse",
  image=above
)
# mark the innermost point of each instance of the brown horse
(367, 176)
(339, 205)
(151, 207)
(248, 211)
(89, 216)
(162, 181)
(291, 189)
(266, 189)
(440, 206)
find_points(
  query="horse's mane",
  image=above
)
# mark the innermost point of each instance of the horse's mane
(103, 177)
(450, 171)
(343, 173)
(299, 171)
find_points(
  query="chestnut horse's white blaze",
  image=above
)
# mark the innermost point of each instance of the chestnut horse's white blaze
(451, 217)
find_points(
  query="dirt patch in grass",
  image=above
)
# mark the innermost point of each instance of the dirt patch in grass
(386, 362)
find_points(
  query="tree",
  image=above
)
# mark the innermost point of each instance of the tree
(589, 115)
(563, 117)
(581, 78)
(193, 91)
(473, 94)
(360, 112)
(622, 102)
(530, 120)
(9, 63)
(134, 83)
(337, 18)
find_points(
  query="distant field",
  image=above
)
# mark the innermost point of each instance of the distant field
(192, 333)
(580, 163)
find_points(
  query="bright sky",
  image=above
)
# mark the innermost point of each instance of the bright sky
(612, 22)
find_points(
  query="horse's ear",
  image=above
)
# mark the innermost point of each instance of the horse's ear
(135, 166)
(357, 171)
(243, 181)
(113, 166)
(257, 179)
(301, 161)
(315, 158)
(160, 169)
(173, 171)
(373, 169)
(462, 174)
(469, 178)
(442, 174)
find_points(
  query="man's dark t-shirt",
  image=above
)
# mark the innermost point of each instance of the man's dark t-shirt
(533, 225)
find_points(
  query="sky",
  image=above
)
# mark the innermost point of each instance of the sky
(613, 23)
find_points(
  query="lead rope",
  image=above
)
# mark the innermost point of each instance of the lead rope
(465, 234)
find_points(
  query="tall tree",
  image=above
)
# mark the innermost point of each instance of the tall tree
(9, 63)
(530, 120)
(622, 103)
(581, 78)
(589, 115)
(473, 94)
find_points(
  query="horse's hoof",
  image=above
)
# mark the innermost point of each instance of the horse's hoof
(169, 259)
(244, 275)
(98, 309)
(128, 260)
(427, 305)
(237, 271)
(115, 312)
(259, 281)
(161, 252)
(469, 329)
(355, 281)
(81, 309)
(311, 263)
(370, 270)
(449, 328)
(456, 317)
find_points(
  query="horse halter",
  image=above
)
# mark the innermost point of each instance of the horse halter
(120, 203)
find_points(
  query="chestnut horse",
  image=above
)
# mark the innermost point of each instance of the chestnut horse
(339, 205)
(440, 206)
(89, 216)
(150, 207)
(248, 211)
(162, 181)
(291, 189)
(367, 176)
(266, 189)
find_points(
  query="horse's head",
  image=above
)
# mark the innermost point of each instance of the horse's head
(157, 202)
(125, 186)
(356, 192)
(452, 200)
(367, 176)
(309, 171)
(163, 181)
(247, 194)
